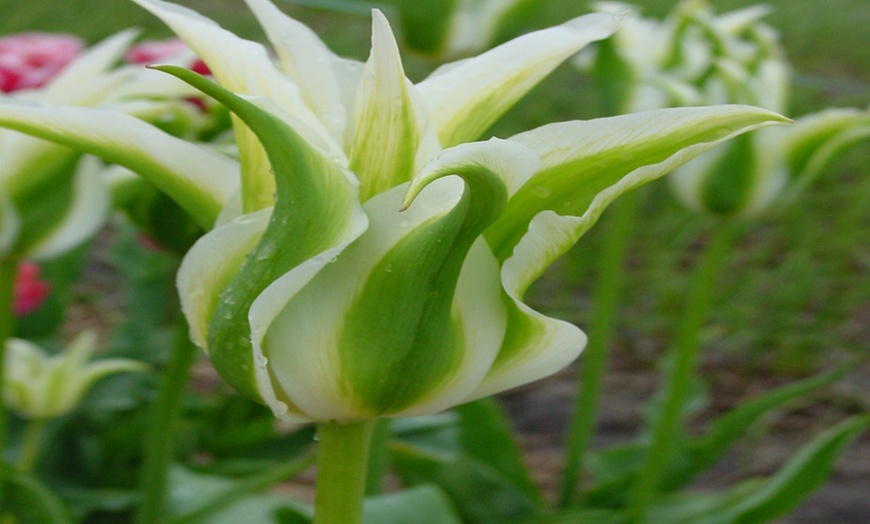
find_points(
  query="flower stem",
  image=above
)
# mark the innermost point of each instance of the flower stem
(683, 361)
(8, 272)
(30, 445)
(611, 274)
(342, 455)
(165, 412)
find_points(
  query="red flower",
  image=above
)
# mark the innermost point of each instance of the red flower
(30, 292)
(155, 51)
(30, 60)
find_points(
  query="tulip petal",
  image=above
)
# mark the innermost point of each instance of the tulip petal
(317, 208)
(354, 354)
(327, 82)
(197, 178)
(83, 81)
(588, 164)
(85, 215)
(816, 140)
(578, 180)
(388, 127)
(244, 67)
(409, 318)
(468, 97)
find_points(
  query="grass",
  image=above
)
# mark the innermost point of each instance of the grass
(797, 287)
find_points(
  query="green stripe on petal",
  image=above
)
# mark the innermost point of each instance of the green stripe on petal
(199, 180)
(317, 208)
(321, 352)
(467, 97)
(387, 125)
(587, 164)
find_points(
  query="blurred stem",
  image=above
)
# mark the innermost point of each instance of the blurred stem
(30, 445)
(244, 488)
(342, 455)
(159, 448)
(611, 274)
(682, 366)
(378, 456)
(8, 273)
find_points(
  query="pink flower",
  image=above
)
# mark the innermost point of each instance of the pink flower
(30, 60)
(155, 51)
(30, 292)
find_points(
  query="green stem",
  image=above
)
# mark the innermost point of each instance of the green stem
(379, 455)
(8, 273)
(30, 445)
(158, 449)
(342, 455)
(683, 361)
(242, 489)
(611, 274)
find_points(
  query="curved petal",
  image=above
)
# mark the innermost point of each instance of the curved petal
(379, 331)
(316, 209)
(464, 100)
(197, 178)
(80, 82)
(210, 265)
(586, 165)
(87, 212)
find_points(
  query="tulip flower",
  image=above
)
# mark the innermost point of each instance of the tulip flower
(764, 171)
(366, 258)
(29, 60)
(313, 293)
(30, 291)
(39, 386)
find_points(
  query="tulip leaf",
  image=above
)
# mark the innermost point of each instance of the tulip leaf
(615, 467)
(481, 494)
(800, 476)
(29, 501)
(407, 507)
(486, 433)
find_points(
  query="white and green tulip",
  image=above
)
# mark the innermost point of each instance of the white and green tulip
(50, 198)
(366, 258)
(39, 386)
(763, 171)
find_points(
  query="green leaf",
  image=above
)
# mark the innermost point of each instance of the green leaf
(481, 494)
(702, 452)
(798, 477)
(614, 467)
(486, 433)
(29, 501)
(410, 506)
